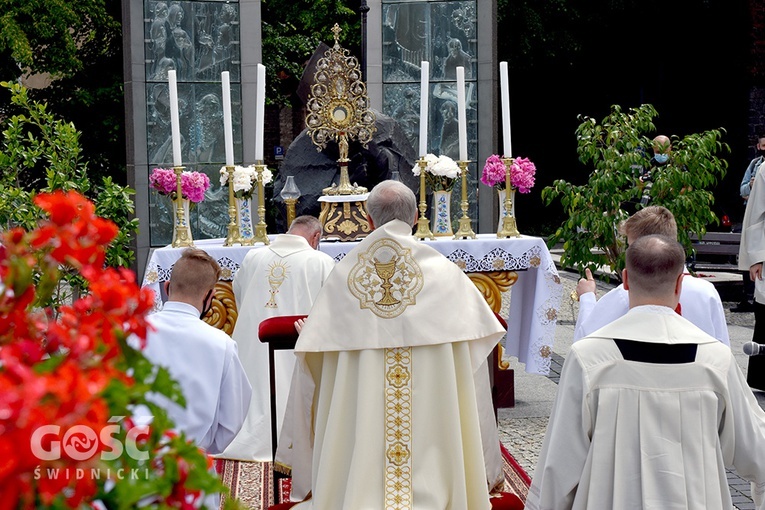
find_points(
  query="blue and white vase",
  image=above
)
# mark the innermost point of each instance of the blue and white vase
(441, 212)
(244, 217)
(502, 211)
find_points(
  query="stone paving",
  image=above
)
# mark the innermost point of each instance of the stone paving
(522, 428)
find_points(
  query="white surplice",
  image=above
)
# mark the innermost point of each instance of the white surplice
(699, 303)
(280, 279)
(204, 361)
(636, 435)
(752, 247)
(396, 348)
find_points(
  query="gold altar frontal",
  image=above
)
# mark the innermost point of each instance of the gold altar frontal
(344, 218)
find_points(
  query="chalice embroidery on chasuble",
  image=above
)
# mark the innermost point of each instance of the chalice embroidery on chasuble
(386, 279)
(277, 273)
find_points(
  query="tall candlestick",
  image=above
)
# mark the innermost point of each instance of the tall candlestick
(505, 87)
(260, 106)
(462, 113)
(424, 89)
(228, 131)
(175, 123)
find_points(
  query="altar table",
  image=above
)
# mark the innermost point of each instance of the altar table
(517, 276)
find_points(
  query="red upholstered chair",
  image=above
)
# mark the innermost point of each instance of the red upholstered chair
(280, 334)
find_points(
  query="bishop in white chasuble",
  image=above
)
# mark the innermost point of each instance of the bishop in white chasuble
(395, 349)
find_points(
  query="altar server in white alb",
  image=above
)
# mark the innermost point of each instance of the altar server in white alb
(396, 345)
(699, 303)
(201, 358)
(650, 410)
(282, 278)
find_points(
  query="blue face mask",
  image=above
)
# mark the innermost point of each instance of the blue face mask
(661, 158)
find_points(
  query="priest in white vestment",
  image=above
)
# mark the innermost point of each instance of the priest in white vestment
(282, 278)
(650, 410)
(203, 359)
(396, 346)
(750, 258)
(699, 302)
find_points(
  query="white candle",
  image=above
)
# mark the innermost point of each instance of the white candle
(424, 88)
(175, 123)
(504, 83)
(228, 130)
(462, 113)
(260, 106)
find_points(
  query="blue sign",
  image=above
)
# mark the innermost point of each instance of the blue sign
(278, 152)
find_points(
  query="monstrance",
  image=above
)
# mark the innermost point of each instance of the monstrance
(338, 110)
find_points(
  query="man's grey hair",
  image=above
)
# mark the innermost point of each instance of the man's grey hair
(305, 224)
(391, 200)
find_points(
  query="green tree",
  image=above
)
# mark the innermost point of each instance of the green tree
(42, 153)
(618, 149)
(292, 30)
(40, 36)
(78, 44)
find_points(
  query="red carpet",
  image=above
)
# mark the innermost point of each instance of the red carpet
(517, 480)
(252, 483)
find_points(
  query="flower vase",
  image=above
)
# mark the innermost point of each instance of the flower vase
(502, 211)
(186, 206)
(244, 217)
(441, 211)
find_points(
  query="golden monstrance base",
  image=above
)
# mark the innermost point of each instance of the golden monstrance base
(344, 218)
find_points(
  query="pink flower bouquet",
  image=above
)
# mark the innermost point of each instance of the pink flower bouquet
(521, 173)
(193, 184)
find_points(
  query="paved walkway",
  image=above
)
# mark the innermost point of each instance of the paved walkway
(522, 427)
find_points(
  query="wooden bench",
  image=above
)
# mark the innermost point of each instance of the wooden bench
(716, 251)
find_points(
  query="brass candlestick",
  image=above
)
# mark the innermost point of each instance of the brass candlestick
(423, 224)
(509, 228)
(465, 231)
(260, 228)
(181, 232)
(233, 235)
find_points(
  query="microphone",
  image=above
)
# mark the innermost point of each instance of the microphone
(754, 349)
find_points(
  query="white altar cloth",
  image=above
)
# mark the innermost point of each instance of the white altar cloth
(534, 299)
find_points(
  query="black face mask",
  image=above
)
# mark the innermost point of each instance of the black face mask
(208, 306)
(761, 152)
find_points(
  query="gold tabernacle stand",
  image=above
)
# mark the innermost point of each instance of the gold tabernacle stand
(423, 224)
(182, 231)
(509, 228)
(339, 110)
(260, 229)
(232, 234)
(466, 230)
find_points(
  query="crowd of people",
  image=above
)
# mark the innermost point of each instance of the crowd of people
(389, 396)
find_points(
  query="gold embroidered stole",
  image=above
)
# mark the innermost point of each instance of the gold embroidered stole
(398, 428)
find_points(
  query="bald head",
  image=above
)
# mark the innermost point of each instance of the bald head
(661, 145)
(307, 227)
(654, 268)
(391, 200)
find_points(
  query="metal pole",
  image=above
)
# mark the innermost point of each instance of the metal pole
(364, 9)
